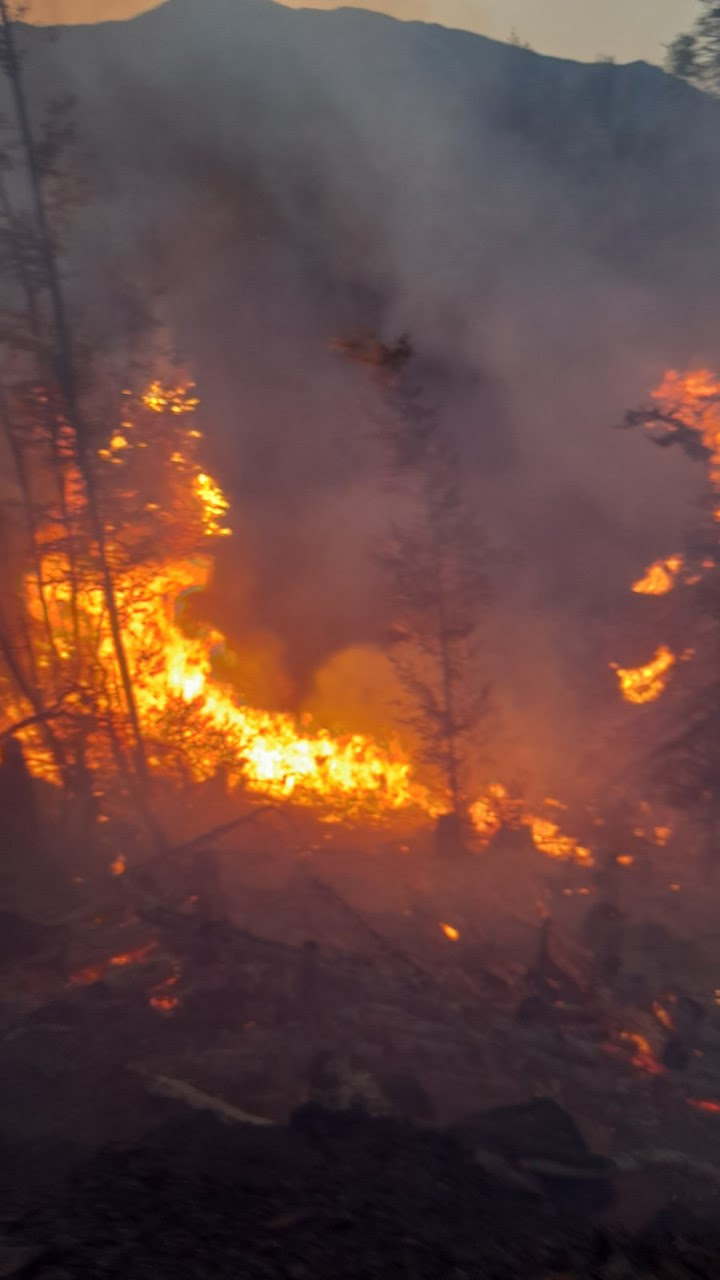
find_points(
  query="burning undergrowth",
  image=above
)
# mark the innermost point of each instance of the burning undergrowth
(164, 514)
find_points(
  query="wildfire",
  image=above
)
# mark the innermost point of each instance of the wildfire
(645, 684)
(686, 409)
(164, 511)
(187, 713)
(660, 577)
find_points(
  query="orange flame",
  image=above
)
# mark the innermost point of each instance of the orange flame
(489, 812)
(451, 932)
(549, 839)
(693, 400)
(685, 403)
(496, 808)
(660, 577)
(645, 684)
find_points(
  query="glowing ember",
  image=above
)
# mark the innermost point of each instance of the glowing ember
(704, 1104)
(450, 932)
(88, 976)
(625, 860)
(663, 1014)
(164, 1004)
(161, 998)
(642, 1057)
(96, 972)
(645, 684)
(118, 866)
(132, 957)
(660, 577)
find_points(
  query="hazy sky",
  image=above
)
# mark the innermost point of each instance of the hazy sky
(627, 29)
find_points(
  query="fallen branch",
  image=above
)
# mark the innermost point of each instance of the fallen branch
(396, 952)
(222, 830)
(205, 837)
(666, 1158)
(40, 717)
(164, 918)
(181, 1091)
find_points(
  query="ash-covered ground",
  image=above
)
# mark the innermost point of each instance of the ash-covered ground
(304, 1050)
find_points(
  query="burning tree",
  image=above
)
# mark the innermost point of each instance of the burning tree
(437, 563)
(50, 433)
(685, 411)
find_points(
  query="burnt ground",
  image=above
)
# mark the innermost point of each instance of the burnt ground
(329, 1195)
(414, 1122)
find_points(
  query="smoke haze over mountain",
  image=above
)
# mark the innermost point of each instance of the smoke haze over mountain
(562, 27)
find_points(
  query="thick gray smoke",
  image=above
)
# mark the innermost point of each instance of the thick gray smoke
(546, 231)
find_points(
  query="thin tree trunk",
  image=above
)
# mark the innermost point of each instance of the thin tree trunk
(66, 379)
(33, 697)
(449, 722)
(24, 484)
(31, 301)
